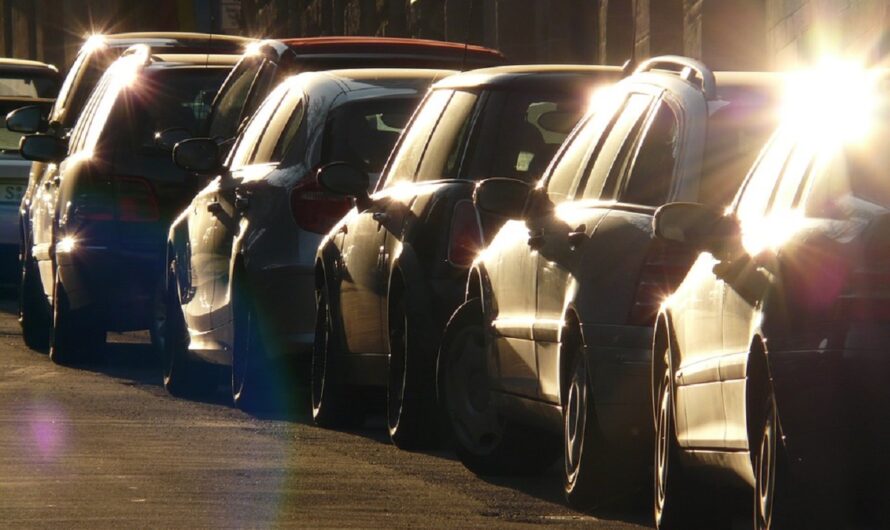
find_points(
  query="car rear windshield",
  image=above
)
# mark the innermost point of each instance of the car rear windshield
(363, 133)
(167, 99)
(518, 133)
(738, 127)
(28, 85)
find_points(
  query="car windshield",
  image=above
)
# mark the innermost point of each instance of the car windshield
(28, 85)
(364, 132)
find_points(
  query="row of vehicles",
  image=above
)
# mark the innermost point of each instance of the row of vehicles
(538, 263)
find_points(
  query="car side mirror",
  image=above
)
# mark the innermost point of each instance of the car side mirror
(198, 155)
(343, 178)
(168, 138)
(698, 226)
(26, 120)
(43, 148)
(504, 197)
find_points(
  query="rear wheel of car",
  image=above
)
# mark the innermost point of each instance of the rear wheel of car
(253, 385)
(35, 316)
(330, 395)
(75, 335)
(412, 415)
(592, 471)
(772, 501)
(486, 442)
(183, 376)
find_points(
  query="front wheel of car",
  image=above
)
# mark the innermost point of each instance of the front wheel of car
(183, 376)
(412, 415)
(772, 501)
(35, 316)
(486, 442)
(75, 335)
(330, 394)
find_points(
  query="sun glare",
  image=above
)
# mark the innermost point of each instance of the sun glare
(833, 102)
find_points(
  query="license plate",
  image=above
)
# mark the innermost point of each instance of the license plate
(11, 192)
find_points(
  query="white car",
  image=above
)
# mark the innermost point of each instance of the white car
(240, 257)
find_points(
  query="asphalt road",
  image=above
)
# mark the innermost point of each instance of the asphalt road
(104, 446)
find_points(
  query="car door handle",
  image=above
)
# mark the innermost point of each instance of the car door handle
(578, 237)
(214, 207)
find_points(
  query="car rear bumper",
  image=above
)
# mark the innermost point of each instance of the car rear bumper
(117, 286)
(621, 373)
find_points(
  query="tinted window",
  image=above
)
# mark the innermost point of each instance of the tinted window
(758, 189)
(28, 85)
(363, 133)
(653, 168)
(227, 109)
(442, 156)
(289, 113)
(600, 178)
(245, 146)
(519, 133)
(404, 162)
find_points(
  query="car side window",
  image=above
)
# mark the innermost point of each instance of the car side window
(288, 112)
(403, 165)
(789, 190)
(441, 158)
(652, 173)
(246, 146)
(228, 107)
(754, 198)
(599, 182)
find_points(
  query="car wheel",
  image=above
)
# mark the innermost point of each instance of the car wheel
(35, 317)
(253, 386)
(75, 336)
(412, 416)
(772, 502)
(159, 312)
(486, 442)
(591, 472)
(330, 396)
(183, 376)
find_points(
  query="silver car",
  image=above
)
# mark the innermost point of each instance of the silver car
(22, 83)
(240, 257)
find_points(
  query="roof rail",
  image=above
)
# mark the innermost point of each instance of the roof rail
(141, 51)
(686, 68)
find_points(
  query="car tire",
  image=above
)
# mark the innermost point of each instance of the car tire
(254, 384)
(35, 316)
(773, 507)
(75, 335)
(485, 441)
(412, 415)
(330, 395)
(592, 472)
(182, 376)
(159, 312)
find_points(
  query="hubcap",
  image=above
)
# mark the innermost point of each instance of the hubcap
(476, 423)
(662, 442)
(575, 421)
(766, 472)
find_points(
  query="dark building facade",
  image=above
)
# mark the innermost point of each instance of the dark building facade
(727, 34)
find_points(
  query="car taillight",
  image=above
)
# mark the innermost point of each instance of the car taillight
(93, 206)
(465, 237)
(665, 267)
(315, 209)
(136, 201)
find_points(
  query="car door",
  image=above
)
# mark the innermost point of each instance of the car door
(567, 255)
(195, 271)
(747, 284)
(362, 286)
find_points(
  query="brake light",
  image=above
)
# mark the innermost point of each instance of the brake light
(465, 237)
(665, 267)
(315, 209)
(136, 201)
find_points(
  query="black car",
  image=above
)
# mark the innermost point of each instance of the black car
(390, 274)
(94, 57)
(99, 219)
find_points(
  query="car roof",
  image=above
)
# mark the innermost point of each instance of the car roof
(172, 60)
(196, 42)
(8, 63)
(358, 46)
(360, 78)
(543, 76)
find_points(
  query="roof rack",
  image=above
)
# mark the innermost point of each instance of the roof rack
(688, 69)
(141, 51)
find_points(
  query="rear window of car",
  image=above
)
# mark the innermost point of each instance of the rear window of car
(363, 133)
(28, 85)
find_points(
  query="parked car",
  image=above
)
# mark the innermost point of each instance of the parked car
(94, 57)
(22, 83)
(551, 346)
(241, 256)
(769, 366)
(390, 274)
(267, 63)
(100, 217)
